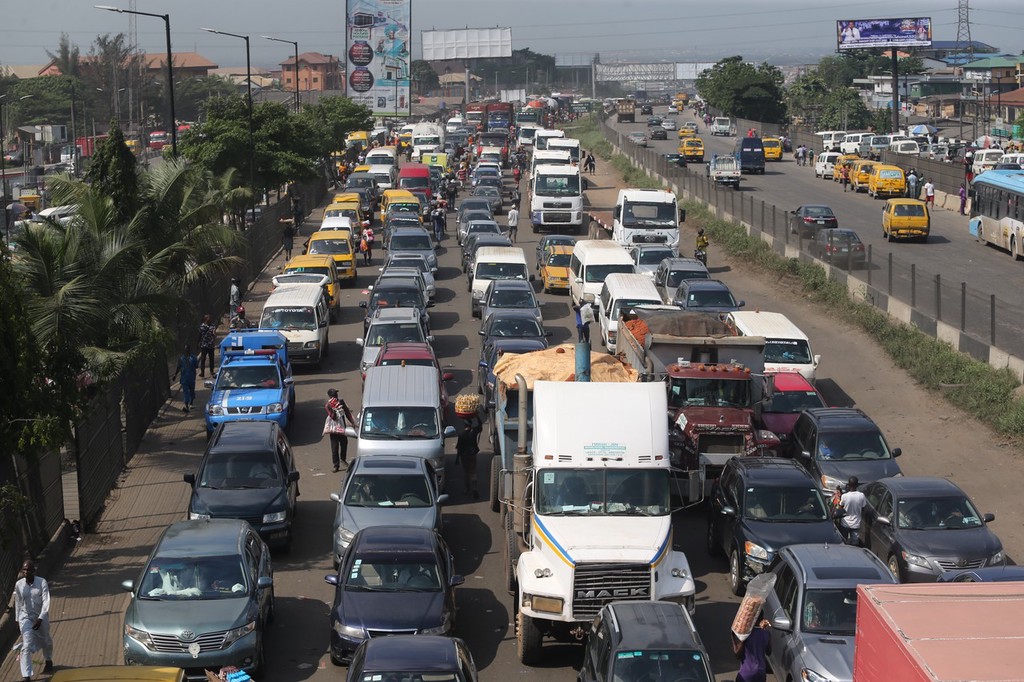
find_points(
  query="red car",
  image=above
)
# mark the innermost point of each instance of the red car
(414, 353)
(786, 395)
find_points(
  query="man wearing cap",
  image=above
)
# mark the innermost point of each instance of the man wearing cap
(337, 413)
(852, 501)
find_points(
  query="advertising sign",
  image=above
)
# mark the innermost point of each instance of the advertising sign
(466, 43)
(378, 54)
(853, 34)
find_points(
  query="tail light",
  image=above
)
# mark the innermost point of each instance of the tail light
(808, 220)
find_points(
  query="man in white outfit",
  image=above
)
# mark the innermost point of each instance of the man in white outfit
(32, 609)
(513, 223)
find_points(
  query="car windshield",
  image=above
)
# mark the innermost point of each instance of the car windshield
(791, 504)
(787, 350)
(241, 471)
(793, 402)
(387, 575)
(677, 277)
(388, 491)
(597, 273)
(718, 392)
(603, 492)
(330, 246)
(193, 578)
(512, 298)
(556, 185)
(380, 334)
(559, 260)
(675, 665)
(299, 317)
(832, 611)
(934, 513)
(515, 327)
(710, 298)
(256, 376)
(500, 271)
(852, 446)
(399, 423)
(410, 242)
(396, 298)
(354, 182)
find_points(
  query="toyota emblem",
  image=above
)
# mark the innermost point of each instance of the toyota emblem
(962, 563)
(187, 635)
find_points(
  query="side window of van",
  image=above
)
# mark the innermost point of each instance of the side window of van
(575, 265)
(606, 300)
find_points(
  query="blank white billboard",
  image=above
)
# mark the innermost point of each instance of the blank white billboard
(466, 43)
(689, 71)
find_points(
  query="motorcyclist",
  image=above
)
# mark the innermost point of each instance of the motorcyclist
(702, 241)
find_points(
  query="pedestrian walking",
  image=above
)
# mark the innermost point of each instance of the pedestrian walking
(466, 449)
(207, 343)
(584, 318)
(753, 652)
(852, 502)
(234, 296)
(929, 192)
(366, 245)
(844, 175)
(513, 223)
(516, 197)
(963, 199)
(32, 611)
(591, 163)
(187, 365)
(334, 427)
(912, 192)
(810, 157)
(287, 237)
(438, 218)
(298, 213)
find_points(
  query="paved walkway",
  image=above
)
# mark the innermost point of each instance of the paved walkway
(87, 602)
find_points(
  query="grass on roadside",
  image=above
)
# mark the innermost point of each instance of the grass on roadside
(591, 139)
(983, 391)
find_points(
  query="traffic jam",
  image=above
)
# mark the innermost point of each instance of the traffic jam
(719, 432)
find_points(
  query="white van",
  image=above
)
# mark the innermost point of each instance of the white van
(592, 261)
(831, 139)
(382, 156)
(825, 164)
(906, 148)
(851, 142)
(541, 137)
(300, 312)
(386, 176)
(453, 124)
(621, 292)
(1015, 157)
(496, 262)
(786, 349)
(986, 159)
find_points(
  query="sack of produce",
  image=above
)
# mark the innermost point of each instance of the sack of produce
(753, 601)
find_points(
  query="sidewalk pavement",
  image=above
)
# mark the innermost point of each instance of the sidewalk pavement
(87, 602)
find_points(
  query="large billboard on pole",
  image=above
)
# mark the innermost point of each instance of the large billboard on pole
(854, 34)
(378, 54)
(466, 43)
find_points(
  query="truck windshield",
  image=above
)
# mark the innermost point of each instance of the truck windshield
(678, 664)
(399, 423)
(260, 376)
(602, 492)
(426, 141)
(637, 214)
(557, 186)
(832, 612)
(716, 392)
(787, 350)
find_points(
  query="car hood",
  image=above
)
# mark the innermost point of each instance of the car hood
(830, 655)
(197, 615)
(556, 271)
(234, 504)
(779, 423)
(866, 471)
(357, 518)
(972, 543)
(390, 610)
(776, 535)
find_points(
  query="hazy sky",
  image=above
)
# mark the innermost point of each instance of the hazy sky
(626, 30)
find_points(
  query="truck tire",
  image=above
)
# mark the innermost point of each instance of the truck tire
(528, 639)
(495, 473)
(511, 552)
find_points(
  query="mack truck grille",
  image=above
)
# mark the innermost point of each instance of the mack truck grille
(595, 585)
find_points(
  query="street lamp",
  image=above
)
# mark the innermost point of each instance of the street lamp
(3, 168)
(248, 83)
(170, 66)
(295, 44)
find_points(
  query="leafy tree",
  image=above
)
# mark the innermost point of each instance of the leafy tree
(424, 75)
(843, 109)
(744, 90)
(114, 172)
(192, 94)
(339, 116)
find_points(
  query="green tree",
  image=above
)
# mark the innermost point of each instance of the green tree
(114, 172)
(339, 116)
(843, 109)
(67, 58)
(805, 97)
(192, 94)
(423, 75)
(744, 90)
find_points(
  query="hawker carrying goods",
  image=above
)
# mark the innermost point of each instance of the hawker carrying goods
(559, 364)
(753, 601)
(467, 404)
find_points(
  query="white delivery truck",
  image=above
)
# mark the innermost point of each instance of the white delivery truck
(427, 138)
(647, 216)
(556, 198)
(586, 508)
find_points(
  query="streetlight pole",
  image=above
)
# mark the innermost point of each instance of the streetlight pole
(295, 44)
(248, 83)
(170, 66)
(3, 169)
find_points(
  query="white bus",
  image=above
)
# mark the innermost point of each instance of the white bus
(997, 210)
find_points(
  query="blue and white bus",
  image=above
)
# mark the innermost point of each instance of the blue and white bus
(997, 210)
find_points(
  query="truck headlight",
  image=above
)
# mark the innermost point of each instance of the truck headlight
(680, 573)
(756, 551)
(232, 636)
(275, 408)
(140, 636)
(311, 344)
(214, 410)
(275, 517)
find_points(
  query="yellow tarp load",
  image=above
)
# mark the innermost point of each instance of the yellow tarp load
(559, 364)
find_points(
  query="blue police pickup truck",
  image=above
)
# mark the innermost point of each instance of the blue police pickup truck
(254, 381)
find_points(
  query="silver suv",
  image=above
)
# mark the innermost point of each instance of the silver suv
(813, 609)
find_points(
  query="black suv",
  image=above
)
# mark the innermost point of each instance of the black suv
(248, 472)
(760, 505)
(644, 640)
(835, 443)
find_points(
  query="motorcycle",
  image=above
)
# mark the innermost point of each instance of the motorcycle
(702, 256)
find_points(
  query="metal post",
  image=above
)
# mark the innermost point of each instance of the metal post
(938, 297)
(761, 226)
(895, 92)
(170, 85)
(913, 285)
(992, 318)
(774, 217)
(963, 306)
(868, 264)
(3, 176)
(849, 253)
(890, 273)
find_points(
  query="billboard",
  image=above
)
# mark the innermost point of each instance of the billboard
(853, 34)
(466, 43)
(378, 54)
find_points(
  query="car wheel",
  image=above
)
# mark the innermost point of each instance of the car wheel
(736, 583)
(528, 639)
(888, 236)
(335, 660)
(894, 567)
(712, 544)
(981, 236)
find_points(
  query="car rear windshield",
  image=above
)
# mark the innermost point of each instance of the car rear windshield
(660, 665)
(676, 277)
(559, 260)
(388, 491)
(380, 334)
(909, 210)
(890, 174)
(818, 211)
(330, 246)
(410, 242)
(486, 270)
(396, 298)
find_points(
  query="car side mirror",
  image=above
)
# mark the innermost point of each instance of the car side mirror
(128, 585)
(189, 478)
(457, 580)
(350, 432)
(442, 499)
(989, 518)
(883, 520)
(617, 212)
(896, 452)
(335, 497)
(430, 338)
(782, 623)
(433, 270)
(263, 582)
(483, 364)
(579, 280)
(449, 431)
(805, 453)
(331, 579)
(481, 333)
(430, 304)
(362, 304)
(359, 341)
(293, 476)
(741, 304)
(288, 381)
(729, 511)
(817, 359)
(208, 383)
